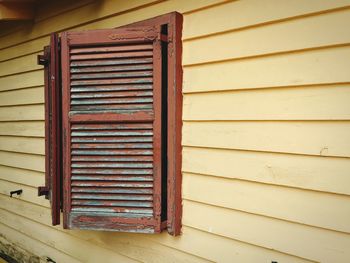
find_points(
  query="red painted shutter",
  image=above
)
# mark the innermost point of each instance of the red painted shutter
(111, 82)
(52, 188)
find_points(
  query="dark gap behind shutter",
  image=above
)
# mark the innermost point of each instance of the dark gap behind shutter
(164, 31)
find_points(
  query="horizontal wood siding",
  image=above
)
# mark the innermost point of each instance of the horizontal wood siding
(266, 148)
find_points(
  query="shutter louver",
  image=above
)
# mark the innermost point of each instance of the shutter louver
(112, 129)
(52, 189)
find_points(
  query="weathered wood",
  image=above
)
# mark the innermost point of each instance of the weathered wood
(122, 124)
(173, 21)
(53, 164)
(103, 49)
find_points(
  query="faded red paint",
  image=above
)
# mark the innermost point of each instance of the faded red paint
(111, 82)
(53, 164)
(112, 135)
(174, 22)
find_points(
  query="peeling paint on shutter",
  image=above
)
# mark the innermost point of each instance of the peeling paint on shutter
(53, 165)
(112, 129)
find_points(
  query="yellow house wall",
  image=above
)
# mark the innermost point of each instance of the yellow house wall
(266, 145)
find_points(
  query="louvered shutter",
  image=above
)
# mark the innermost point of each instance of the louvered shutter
(111, 82)
(52, 189)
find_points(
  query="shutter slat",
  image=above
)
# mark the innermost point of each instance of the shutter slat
(112, 152)
(141, 67)
(111, 88)
(112, 171)
(111, 101)
(111, 49)
(112, 146)
(111, 165)
(122, 212)
(111, 139)
(107, 190)
(112, 197)
(112, 159)
(107, 75)
(112, 55)
(113, 81)
(112, 126)
(112, 94)
(110, 62)
(111, 178)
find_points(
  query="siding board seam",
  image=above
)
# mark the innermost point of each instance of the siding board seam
(26, 201)
(332, 10)
(262, 151)
(21, 136)
(19, 183)
(330, 84)
(22, 88)
(266, 183)
(21, 72)
(208, 7)
(24, 169)
(27, 153)
(250, 244)
(24, 55)
(267, 216)
(24, 104)
(273, 54)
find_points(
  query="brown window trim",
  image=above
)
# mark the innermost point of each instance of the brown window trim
(173, 21)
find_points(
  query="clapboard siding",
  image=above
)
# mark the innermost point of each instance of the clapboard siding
(295, 239)
(253, 13)
(297, 137)
(312, 32)
(306, 207)
(328, 102)
(143, 247)
(21, 176)
(22, 80)
(22, 113)
(23, 128)
(320, 66)
(21, 97)
(300, 171)
(19, 65)
(23, 160)
(266, 124)
(34, 246)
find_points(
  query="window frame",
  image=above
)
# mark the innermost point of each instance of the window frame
(174, 23)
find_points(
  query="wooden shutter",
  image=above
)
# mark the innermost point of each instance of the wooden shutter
(111, 83)
(52, 189)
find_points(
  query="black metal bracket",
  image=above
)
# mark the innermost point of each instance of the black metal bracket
(43, 190)
(42, 60)
(50, 260)
(17, 192)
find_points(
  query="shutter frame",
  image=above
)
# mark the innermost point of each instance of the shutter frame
(52, 189)
(107, 38)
